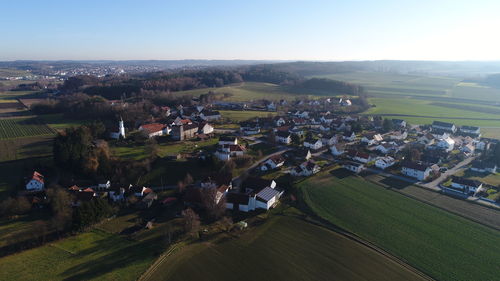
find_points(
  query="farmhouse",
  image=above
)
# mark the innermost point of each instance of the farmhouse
(443, 126)
(384, 162)
(353, 166)
(154, 129)
(417, 170)
(184, 132)
(36, 183)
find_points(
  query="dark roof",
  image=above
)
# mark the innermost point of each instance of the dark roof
(283, 134)
(352, 163)
(467, 182)
(442, 124)
(267, 193)
(416, 165)
(478, 164)
(472, 128)
(237, 198)
(227, 138)
(255, 184)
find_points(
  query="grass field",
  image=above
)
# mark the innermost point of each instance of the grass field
(284, 248)
(23, 127)
(94, 255)
(443, 245)
(59, 122)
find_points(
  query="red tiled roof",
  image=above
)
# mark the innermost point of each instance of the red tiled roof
(153, 128)
(38, 177)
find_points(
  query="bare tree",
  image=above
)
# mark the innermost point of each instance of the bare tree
(191, 221)
(214, 203)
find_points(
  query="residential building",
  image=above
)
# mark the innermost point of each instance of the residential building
(353, 166)
(184, 132)
(384, 162)
(443, 126)
(313, 144)
(228, 140)
(154, 129)
(284, 137)
(272, 163)
(465, 185)
(418, 170)
(36, 183)
(337, 149)
(483, 166)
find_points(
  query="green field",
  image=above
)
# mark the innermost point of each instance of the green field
(284, 248)
(443, 245)
(23, 127)
(22, 148)
(59, 122)
(94, 255)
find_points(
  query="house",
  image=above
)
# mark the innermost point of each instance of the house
(328, 139)
(104, 186)
(205, 128)
(307, 168)
(349, 136)
(184, 132)
(258, 194)
(272, 163)
(271, 106)
(226, 151)
(36, 183)
(154, 129)
(284, 137)
(337, 149)
(471, 130)
(443, 126)
(313, 144)
(209, 115)
(359, 156)
(446, 144)
(140, 191)
(427, 139)
(482, 145)
(228, 140)
(371, 138)
(301, 154)
(465, 185)
(398, 135)
(400, 123)
(147, 201)
(468, 148)
(345, 102)
(483, 167)
(297, 131)
(250, 128)
(353, 166)
(387, 147)
(279, 121)
(117, 194)
(384, 162)
(417, 170)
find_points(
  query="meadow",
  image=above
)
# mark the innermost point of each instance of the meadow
(443, 245)
(28, 147)
(283, 248)
(243, 115)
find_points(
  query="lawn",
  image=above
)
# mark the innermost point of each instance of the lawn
(283, 248)
(95, 255)
(491, 179)
(23, 127)
(59, 122)
(443, 245)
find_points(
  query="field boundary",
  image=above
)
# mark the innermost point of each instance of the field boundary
(153, 267)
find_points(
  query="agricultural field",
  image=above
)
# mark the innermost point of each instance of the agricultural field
(22, 148)
(283, 248)
(59, 122)
(251, 91)
(94, 255)
(23, 127)
(441, 244)
(12, 173)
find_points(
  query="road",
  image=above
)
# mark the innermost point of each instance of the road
(459, 167)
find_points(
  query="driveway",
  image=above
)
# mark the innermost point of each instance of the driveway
(458, 168)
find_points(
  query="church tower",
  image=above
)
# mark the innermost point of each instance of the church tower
(121, 128)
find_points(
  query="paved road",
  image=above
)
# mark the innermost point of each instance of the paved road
(459, 167)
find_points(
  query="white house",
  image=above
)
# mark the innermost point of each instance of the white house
(279, 121)
(305, 169)
(272, 163)
(261, 198)
(386, 147)
(359, 156)
(398, 135)
(471, 130)
(444, 126)
(205, 128)
(353, 166)
(468, 148)
(329, 140)
(466, 185)
(345, 102)
(209, 115)
(427, 139)
(226, 151)
(349, 136)
(284, 137)
(446, 143)
(313, 144)
(483, 167)
(384, 162)
(250, 128)
(223, 140)
(371, 138)
(154, 129)
(337, 149)
(419, 171)
(36, 182)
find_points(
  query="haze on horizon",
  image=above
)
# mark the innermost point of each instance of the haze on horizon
(253, 30)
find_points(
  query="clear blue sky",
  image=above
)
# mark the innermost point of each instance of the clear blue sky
(253, 29)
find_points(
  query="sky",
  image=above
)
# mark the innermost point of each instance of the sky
(328, 30)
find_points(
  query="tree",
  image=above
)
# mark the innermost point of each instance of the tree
(387, 125)
(191, 221)
(271, 137)
(214, 203)
(295, 139)
(60, 205)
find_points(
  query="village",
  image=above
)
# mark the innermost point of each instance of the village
(300, 142)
